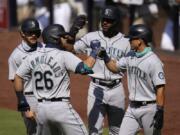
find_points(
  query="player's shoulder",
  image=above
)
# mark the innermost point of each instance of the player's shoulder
(18, 51)
(154, 58)
(92, 35)
(122, 38)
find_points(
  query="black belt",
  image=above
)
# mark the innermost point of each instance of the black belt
(54, 99)
(136, 104)
(106, 83)
(28, 93)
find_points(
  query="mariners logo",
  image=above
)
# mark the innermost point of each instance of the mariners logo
(108, 12)
(161, 75)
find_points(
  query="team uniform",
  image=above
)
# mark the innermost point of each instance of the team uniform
(15, 60)
(106, 92)
(50, 68)
(144, 74)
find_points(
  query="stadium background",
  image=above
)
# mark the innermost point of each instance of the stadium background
(79, 84)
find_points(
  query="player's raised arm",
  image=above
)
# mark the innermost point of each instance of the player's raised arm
(110, 63)
(85, 66)
(70, 37)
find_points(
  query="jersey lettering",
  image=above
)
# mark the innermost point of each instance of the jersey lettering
(48, 61)
(137, 71)
(115, 53)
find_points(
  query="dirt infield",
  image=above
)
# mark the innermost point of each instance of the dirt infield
(79, 84)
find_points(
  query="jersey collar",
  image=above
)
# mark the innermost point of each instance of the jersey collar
(144, 52)
(27, 48)
(53, 46)
(114, 38)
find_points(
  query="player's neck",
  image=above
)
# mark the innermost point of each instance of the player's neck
(110, 34)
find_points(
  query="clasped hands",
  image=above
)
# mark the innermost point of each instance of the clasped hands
(97, 50)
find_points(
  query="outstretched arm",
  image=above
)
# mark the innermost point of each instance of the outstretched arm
(111, 64)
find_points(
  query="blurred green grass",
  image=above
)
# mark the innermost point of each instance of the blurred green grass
(11, 123)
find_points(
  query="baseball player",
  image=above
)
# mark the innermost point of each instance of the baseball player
(106, 93)
(50, 67)
(30, 32)
(146, 84)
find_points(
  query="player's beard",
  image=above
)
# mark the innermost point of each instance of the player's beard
(111, 31)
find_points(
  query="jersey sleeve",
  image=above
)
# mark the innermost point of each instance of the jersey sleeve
(122, 63)
(71, 61)
(157, 74)
(24, 69)
(12, 68)
(81, 45)
(128, 49)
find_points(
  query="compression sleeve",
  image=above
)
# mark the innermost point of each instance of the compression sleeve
(83, 69)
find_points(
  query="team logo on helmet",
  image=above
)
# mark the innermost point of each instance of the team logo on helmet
(108, 12)
(161, 75)
(33, 24)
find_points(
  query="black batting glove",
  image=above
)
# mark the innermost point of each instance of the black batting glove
(103, 55)
(22, 102)
(78, 24)
(159, 118)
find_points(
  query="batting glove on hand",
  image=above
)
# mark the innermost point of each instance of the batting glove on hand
(78, 24)
(103, 55)
(95, 46)
(159, 118)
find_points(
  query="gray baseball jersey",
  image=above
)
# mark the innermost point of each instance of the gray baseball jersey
(144, 74)
(50, 68)
(105, 88)
(20, 53)
(116, 47)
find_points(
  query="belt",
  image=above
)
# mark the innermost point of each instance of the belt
(54, 99)
(136, 104)
(106, 83)
(28, 93)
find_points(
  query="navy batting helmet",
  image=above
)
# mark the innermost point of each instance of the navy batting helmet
(30, 26)
(52, 33)
(140, 31)
(111, 12)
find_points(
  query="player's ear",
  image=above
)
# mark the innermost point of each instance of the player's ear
(22, 34)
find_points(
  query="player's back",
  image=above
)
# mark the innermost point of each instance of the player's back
(50, 67)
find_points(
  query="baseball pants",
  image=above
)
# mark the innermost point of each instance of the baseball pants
(136, 118)
(59, 118)
(105, 101)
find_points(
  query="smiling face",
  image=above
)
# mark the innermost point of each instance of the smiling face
(109, 27)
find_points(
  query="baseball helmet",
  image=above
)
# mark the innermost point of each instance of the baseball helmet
(52, 33)
(140, 31)
(111, 12)
(31, 25)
